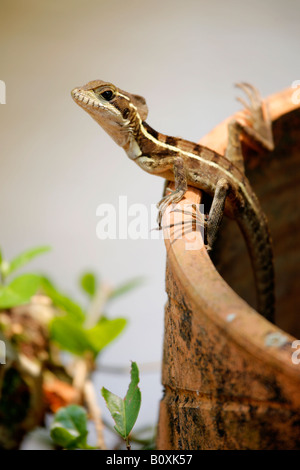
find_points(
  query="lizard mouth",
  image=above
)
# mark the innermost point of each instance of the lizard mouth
(85, 98)
(90, 102)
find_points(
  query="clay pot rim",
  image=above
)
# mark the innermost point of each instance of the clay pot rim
(200, 280)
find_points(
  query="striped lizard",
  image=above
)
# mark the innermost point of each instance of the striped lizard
(122, 115)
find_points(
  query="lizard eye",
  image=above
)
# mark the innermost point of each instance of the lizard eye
(107, 95)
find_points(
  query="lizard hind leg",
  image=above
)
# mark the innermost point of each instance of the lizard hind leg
(234, 149)
(216, 212)
(258, 126)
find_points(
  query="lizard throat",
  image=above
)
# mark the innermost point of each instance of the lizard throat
(132, 149)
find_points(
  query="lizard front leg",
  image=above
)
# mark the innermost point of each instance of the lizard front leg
(217, 208)
(180, 188)
(258, 126)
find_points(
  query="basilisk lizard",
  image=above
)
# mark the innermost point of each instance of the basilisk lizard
(122, 115)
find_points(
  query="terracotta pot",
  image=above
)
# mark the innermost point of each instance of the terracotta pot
(231, 378)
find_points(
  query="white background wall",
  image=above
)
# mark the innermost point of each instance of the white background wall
(57, 165)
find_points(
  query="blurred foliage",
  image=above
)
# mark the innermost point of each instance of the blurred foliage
(37, 321)
(22, 288)
(81, 339)
(69, 428)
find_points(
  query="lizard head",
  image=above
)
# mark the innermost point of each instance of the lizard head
(115, 110)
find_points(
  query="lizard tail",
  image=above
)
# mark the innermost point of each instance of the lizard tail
(255, 229)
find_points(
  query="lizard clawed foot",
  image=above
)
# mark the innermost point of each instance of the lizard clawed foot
(172, 198)
(259, 124)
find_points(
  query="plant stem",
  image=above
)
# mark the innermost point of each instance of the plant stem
(95, 412)
(128, 446)
(96, 308)
(85, 389)
(80, 374)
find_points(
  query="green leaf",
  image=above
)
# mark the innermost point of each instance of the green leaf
(69, 427)
(126, 287)
(63, 302)
(19, 291)
(104, 332)
(69, 335)
(116, 408)
(1, 257)
(125, 412)
(24, 258)
(74, 338)
(88, 282)
(69, 331)
(132, 399)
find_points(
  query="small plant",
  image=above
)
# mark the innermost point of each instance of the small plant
(69, 427)
(125, 411)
